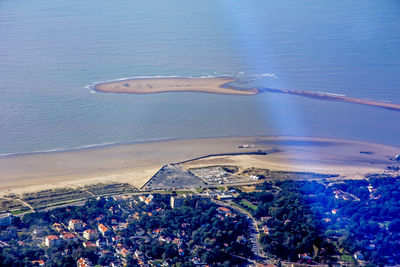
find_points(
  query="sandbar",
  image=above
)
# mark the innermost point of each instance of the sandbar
(212, 85)
(137, 163)
(220, 85)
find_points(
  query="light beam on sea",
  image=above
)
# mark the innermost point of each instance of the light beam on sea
(257, 56)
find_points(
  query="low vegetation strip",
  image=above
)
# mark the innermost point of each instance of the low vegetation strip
(10, 204)
(48, 197)
(59, 196)
(110, 188)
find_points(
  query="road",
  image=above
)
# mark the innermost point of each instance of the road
(253, 227)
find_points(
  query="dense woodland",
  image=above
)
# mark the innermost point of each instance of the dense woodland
(329, 221)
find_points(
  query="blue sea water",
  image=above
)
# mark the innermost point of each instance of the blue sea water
(50, 51)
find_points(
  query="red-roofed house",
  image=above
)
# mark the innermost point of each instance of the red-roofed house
(222, 210)
(104, 230)
(58, 227)
(84, 262)
(38, 262)
(69, 237)
(156, 231)
(265, 229)
(90, 234)
(88, 244)
(123, 251)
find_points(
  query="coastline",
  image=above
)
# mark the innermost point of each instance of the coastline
(137, 163)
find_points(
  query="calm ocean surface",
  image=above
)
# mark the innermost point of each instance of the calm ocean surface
(50, 51)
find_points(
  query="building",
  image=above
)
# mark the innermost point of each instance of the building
(138, 254)
(39, 231)
(241, 239)
(149, 199)
(84, 262)
(246, 146)
(75, 225)
(123, 252)
(100, 243)
(38, 263)
(58, 227)
(69, 237)
(177, 201)
(223, 196)
(90, 234)
(5, 218)
(104, 230)
(265, 229)
(358, 256)
(305, 258)
(52, 241)
(88, 244)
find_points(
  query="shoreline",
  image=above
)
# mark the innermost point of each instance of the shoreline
(137, 163)
(146, 141)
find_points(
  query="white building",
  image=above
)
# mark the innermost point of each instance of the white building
(52, 241)
(75, 225)
(177, 201)
(90, 234)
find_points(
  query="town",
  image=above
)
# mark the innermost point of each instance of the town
(265, 222)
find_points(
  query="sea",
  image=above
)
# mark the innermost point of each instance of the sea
(52, 52)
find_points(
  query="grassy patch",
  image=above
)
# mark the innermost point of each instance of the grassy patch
(49, 197)
(248, 188)
(16, 212)
(247, 204)
(255, 171)
(112, 188)
(200, 190)
(10, 204)
(347, 258)
(184, 192)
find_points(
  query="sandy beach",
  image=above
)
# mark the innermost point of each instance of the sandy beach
(214, 85)
(136, 163)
